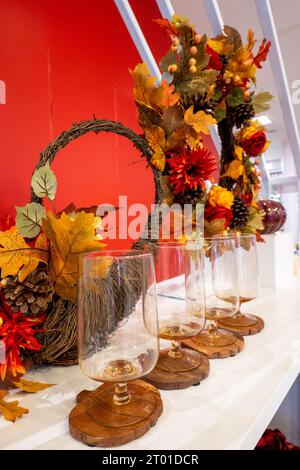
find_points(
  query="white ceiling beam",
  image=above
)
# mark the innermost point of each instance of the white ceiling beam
(280, 78)
(214, 15)
(165, 7)
(138, 37)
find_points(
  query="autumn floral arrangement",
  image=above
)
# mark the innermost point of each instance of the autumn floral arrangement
(39, 261)
(207, 82)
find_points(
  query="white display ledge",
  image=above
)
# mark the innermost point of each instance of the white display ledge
(229, 410)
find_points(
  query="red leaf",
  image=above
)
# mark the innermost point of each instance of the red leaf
(262, 53)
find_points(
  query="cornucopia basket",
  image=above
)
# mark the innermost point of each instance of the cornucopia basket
(60, 336)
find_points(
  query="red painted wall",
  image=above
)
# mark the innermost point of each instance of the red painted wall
(64, 61)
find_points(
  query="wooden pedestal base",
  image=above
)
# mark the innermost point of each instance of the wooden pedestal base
(218, 349)
(173, 373)
(97, 421)
(242, 325)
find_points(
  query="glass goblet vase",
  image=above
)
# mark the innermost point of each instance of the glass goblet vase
(222, 299)
(117, 343)
(181, 312)
(246, 252)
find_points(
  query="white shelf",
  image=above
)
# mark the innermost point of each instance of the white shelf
(229, 410)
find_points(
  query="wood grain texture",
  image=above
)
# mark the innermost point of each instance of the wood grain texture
(174, 373)
(97, 421)
(241, 326)
(203, 344)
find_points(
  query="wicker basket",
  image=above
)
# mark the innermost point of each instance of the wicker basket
(60, 336)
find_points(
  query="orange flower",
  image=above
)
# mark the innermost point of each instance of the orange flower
(17, 334)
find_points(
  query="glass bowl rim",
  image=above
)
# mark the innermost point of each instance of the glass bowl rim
(115, 254)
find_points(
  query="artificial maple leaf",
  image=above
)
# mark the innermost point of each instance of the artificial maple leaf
(30, 387)
(163, 96)
(156, 139)
(69, 239)
(251, 41)
(143, 83)
(10, 409)
(167, 25)
(215, 227)
(199, 121)
(16, 257)
(42, 243)
(221, 45)
(177, 139)
(262, 54)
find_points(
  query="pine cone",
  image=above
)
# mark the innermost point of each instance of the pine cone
(227, 182)
(31, 296)
(199, 103)
(240, 214)
(224, 59)
(191, 197)
(238, 115)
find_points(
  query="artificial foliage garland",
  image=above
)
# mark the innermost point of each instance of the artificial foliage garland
(206, 82)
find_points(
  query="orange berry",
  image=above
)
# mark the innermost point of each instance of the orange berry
(172, 68)
(193, 69)
(192, 61)
(197, 38)
(193, 50)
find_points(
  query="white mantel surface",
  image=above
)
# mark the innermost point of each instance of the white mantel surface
(229, 410)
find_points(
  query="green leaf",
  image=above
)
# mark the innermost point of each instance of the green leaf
(236, 97)
(218, 94)
(261, 101)
(202, 57)
(169, 59)
(43, 182)
(200, 84)
(255, 221)
(234, 37)
(220, 114)
(29, 219)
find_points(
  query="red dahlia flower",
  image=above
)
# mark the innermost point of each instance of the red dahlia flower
(190, 169)
(17, 333)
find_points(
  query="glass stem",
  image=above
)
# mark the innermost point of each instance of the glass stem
(122, 395)
(213, 328)
(175, 350)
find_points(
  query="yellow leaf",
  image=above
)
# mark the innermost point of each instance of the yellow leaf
(31, 387)
(199, 121)
(156, 139)
(41, 243)
(176, 139)
(221, 45)
(10, 410)
(69, 239)
(239, 153)
(251, 41)
(16, 257)
(143, 83)
(215, 227)
(235, 170)
(163, 96)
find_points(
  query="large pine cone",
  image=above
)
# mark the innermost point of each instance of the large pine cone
(31, 296)
(240, 214)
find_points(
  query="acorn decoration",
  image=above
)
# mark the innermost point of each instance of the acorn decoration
(31, 296)
(240, 214)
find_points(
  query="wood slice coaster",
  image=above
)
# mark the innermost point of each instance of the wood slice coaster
(233, 344)
(242, 325)
(175, 373)
(97, 421)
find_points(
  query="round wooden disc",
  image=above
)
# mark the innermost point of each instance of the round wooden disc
(242, 324)
(219, 349)
(97, 421)
(175, 373)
